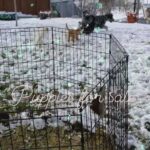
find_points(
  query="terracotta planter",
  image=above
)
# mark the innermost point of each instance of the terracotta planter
(132, 18)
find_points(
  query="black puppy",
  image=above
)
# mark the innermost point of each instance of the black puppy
(100, 21)
(89, 22)
(86, 19)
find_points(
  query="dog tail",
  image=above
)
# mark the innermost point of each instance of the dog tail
(67, 27)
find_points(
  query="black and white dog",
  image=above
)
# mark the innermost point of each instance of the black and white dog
(100, 21)
(89, 22)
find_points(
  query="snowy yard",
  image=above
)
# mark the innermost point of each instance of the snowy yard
(136, 41)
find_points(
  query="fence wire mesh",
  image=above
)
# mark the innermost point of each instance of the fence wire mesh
(61, 95)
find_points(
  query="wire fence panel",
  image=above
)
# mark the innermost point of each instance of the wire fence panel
(56, 94)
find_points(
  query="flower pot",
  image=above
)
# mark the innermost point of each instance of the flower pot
(132, 18)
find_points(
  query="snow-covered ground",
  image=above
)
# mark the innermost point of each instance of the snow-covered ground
(136, 41)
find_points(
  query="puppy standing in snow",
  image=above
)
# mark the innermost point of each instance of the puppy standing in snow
(40, 35)
(73, 34)
(89, 22)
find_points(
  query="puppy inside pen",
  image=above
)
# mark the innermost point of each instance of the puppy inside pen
(73, 33)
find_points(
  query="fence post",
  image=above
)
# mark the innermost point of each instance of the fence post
(53, 48)
(82, 130)
(109, 81)
(16, 15)
(110, 51)
(126, 105)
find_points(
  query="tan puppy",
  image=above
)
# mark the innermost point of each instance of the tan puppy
(73, 34)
